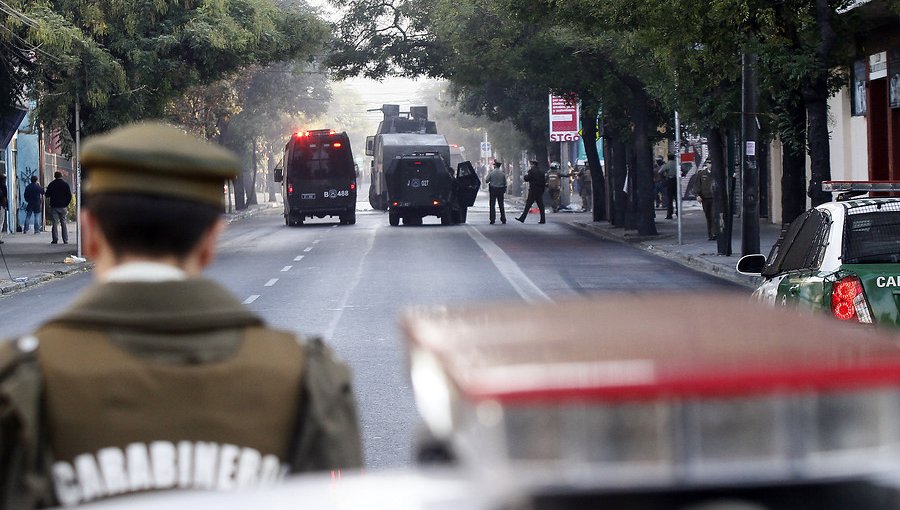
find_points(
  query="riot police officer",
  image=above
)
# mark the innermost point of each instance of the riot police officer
(536, 184)
(155, 377)
(554, 185)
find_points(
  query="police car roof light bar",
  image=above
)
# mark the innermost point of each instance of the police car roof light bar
(619, 400)
(865, 186)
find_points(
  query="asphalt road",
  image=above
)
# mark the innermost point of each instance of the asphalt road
(349, 284)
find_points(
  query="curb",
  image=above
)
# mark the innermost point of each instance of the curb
(30, 281)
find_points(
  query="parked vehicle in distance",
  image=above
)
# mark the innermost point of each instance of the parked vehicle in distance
(318, 177)
(842, 258)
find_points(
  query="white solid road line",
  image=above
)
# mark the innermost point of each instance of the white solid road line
(508, 268)
(251, 299)
(271, 282)
(286, 269)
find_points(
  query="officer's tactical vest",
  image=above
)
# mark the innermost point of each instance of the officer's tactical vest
(119, 423)
(553, 180)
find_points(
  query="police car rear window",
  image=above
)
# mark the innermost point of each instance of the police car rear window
(801, 246)
(872, 236)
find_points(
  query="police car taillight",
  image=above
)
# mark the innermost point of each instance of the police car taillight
(633, 391)
(848, 300)
(352, 186)
(337, 145)
(290, 189)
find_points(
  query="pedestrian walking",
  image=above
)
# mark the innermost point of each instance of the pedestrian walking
(587, 190)
(34, 200)
(4, 203)
(554, 185)
(155, 377)
(496, 182)
(703, 189)
(59, 196)
(668, 173)
(536, 186)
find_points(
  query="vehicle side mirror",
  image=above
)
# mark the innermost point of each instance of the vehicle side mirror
(751, 265)
(279, 175)
(370, 146)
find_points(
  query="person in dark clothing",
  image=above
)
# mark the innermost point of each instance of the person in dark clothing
(34, 198)
(59, 195)
(536, 184)
(668, 173)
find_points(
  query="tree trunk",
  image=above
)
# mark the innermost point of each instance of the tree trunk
(819, 145)
(793, 163)
(642, 171)
(589, 112)
(716, 142)
(270, 180)
(816, 98)
(251, 194)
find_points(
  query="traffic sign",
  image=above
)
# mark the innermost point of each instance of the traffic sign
(485, 149)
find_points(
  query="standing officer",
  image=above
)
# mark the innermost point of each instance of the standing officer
(157, 378)
(703, 187)
(668, 173)
(536, 185)
(496, 181)
(554, 185)
(59, 196)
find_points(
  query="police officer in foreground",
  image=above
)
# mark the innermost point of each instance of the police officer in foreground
(156, 378)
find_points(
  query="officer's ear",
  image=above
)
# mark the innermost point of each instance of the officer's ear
(207, 247)
(92, 239)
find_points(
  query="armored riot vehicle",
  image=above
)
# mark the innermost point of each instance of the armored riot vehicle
(318, 177)
(400, 133)
(422, 184)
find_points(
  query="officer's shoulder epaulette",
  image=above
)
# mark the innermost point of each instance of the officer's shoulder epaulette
(16, 352)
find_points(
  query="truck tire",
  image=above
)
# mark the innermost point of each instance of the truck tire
(446, 216)
(463, 213)
(393, 218)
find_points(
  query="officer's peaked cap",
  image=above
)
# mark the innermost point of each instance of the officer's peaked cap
(154, 158)
(497, 162)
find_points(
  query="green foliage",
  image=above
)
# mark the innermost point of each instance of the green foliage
(128, 59)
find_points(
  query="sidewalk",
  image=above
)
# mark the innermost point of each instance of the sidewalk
(30, 259)
(696, 251)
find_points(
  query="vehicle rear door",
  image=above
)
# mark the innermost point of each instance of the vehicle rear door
(871, 251)
(320, 172)
(468, 184)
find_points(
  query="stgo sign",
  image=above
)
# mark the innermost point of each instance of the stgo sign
(563, 118)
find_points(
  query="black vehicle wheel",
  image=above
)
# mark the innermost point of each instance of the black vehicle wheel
(446, 217)
(351, 218)
(294, 220)
(463, 213)
(393, 218)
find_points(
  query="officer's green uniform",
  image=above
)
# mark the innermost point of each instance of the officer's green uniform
(144, 385)
(703, 187)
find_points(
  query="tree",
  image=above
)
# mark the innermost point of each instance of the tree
(124, 61)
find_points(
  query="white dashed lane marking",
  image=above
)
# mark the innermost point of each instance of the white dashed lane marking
(251, 299)
(298, 258)
(271, 282)
(316, 241)
(308, 249)
(286, 269)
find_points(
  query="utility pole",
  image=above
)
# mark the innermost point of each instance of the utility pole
(678, 175)
(78, 174)
(750, 169)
